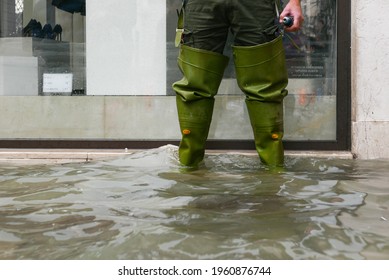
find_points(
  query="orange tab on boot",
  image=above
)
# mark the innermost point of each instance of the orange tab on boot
(275, 136)
(186, 131)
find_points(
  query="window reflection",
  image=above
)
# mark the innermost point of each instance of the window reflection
(311, 59)
(40, 39)
(310, 52)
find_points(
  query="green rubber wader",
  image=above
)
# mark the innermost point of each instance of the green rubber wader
(203, 71)
(262, 76)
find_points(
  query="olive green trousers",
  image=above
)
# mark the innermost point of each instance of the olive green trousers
(260, 70)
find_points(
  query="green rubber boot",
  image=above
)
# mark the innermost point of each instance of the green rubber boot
(262, 76)
(203, 71)
(267, 123)
(195, 119)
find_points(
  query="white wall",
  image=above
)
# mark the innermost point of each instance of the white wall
(370, 79)
(126, 47)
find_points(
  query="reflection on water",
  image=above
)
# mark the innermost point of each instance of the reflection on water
(144, 206)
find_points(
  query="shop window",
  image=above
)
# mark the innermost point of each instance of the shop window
(121, 56)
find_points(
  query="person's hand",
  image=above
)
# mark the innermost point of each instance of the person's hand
(293, 9)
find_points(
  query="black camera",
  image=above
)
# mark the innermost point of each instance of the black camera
(287, 21)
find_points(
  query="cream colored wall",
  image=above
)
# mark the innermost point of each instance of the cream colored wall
(370, 79)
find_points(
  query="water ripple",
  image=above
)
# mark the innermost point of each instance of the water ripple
(146, 206)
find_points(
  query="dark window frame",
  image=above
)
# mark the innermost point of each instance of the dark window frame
(343, 112)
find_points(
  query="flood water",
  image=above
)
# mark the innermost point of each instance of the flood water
(144, 206)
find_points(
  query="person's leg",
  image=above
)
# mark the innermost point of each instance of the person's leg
(261, 74)
(253, 22)
(202, 63)
(203, 72)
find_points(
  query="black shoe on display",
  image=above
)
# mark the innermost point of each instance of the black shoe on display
(47, 32)
(28, 28)
(36, 30)
(57, 31)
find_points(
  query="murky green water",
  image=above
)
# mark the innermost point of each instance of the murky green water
(142, 206)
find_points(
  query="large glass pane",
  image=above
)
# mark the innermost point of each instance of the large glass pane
(311, 56)
(104, 71)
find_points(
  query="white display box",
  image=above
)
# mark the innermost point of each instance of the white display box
(18, 76)
(16, 46)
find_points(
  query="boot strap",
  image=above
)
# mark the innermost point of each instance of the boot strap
(180, 24)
